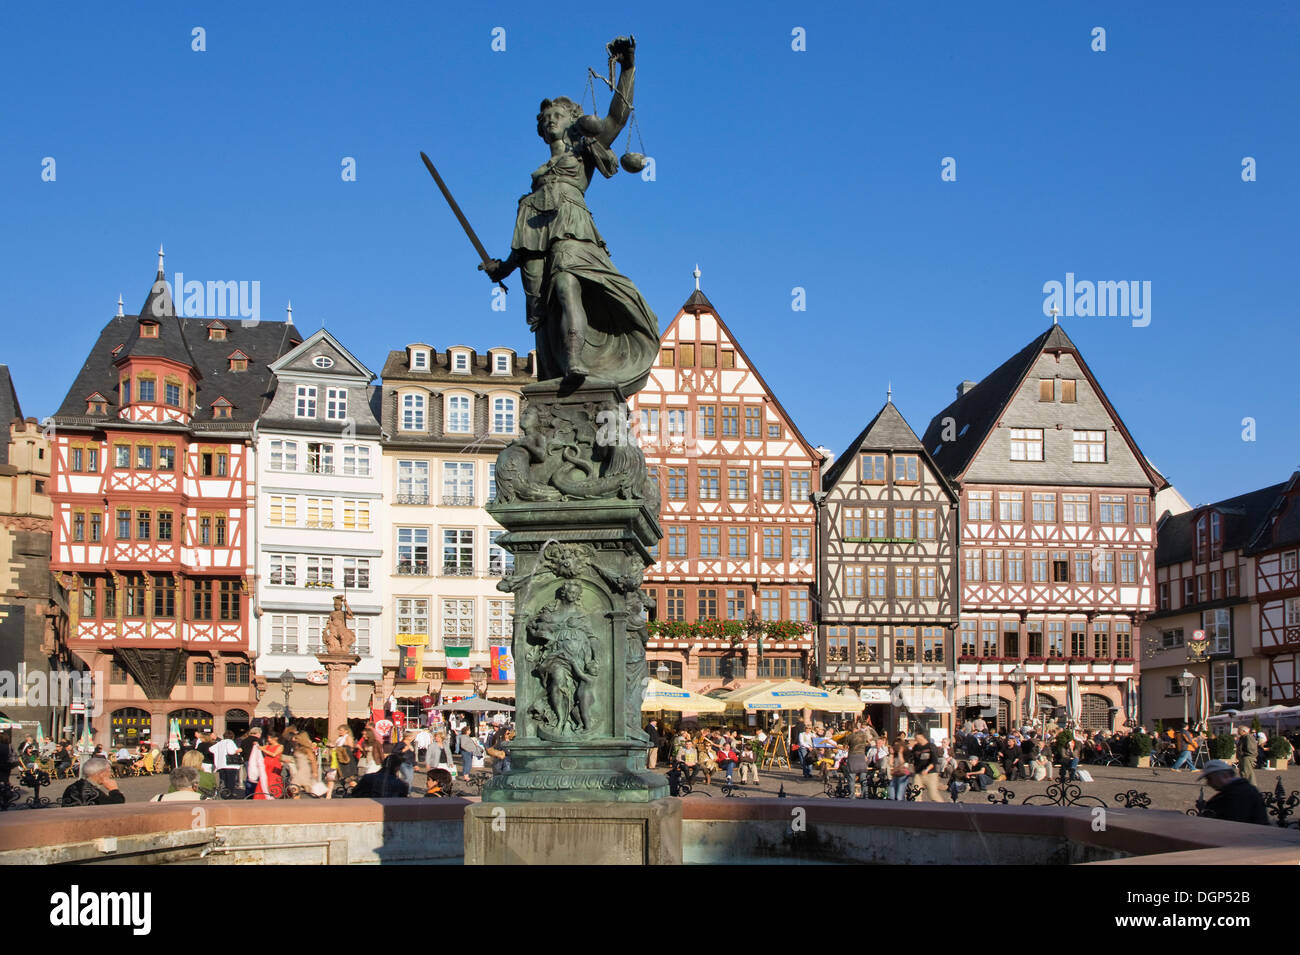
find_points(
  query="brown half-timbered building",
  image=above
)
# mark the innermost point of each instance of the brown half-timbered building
(736, 479)
(1276, 555)
(888, 543)
(1057, 533)
(152, 484)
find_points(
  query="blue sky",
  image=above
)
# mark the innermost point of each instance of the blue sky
(775, 169)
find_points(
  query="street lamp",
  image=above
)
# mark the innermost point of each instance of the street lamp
(1185, 680)
(478, 677)
(662, 672)
(1017, 678)
(286, 687)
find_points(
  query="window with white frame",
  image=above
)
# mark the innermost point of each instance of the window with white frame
(284, 633)
(457, 623)
(320, 571)
(492, 482)
(282, 511)
(1293, 612)
(500, 561)
(458, 483)
(320, 512)
(284, 570)
(1288, 561)
(320, 458)
(412, 482)
(500, 364)
(458, 552)
(356, 460)
(1090, 446)
(336, 403)
(1226, 677)
(1217, 625)
(413, 617)
(361, 627)
(419, 359)
(284, 455)
(356, 573)
(356, 515)
(305, 407)
(412, 412)
(314, 630)
(458, 414)
(503, 415)
(460, 362)
(500, 620)
(413, 550)
(1026, 444)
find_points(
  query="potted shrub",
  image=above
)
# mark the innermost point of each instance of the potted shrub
(1140, 750)
(1223, 746)
(1279, 752)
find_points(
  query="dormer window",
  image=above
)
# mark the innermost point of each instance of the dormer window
(501, 363)
(305, 406)
(97, 404)
(221, 408)
(238, 361)
(419, 359)
(217, 332)
(148, 329)
(460, 362)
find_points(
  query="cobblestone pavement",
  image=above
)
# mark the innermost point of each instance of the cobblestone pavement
(1167, 789)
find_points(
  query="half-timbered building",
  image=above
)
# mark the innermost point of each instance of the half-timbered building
(1057, 536)
(736, 478)
(320, 523)
(1205, 584)
(152, 485)
(1275, 551)
(888, 576)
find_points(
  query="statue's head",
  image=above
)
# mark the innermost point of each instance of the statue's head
(570, 592)
(338, 602)
(558, 118)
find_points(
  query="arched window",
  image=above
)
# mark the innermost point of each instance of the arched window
(130, 727)
(1095, 713)
(458, 415)
(237, 720)
(412, 412)
(503, 415)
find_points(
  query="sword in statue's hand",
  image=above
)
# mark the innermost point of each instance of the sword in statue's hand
(460, 217)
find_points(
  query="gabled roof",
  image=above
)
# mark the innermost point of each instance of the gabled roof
(697, 303)
(1281, 525)
(887, 431)
(1242, 517)
(977, 412)
(171, 342)
(289, 357)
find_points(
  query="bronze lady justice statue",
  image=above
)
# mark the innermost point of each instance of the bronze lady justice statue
(590, 320)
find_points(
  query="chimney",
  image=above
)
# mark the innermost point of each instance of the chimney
(965, 386)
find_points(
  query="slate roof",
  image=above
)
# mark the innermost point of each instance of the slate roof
(9, 409)
(982, 406)
(184, 340)
(1242, 517)
(887, 431)
(1281, 525)
(699, 302)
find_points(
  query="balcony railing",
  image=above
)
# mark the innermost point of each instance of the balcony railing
(320, 524)
(409, 568)
(458, 500)
(458, 570)
(411, 499)
(319, 584)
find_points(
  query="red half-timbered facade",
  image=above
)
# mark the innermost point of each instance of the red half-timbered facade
(736, 479)
(1057, 535)
(1276, 552)
(153, 495)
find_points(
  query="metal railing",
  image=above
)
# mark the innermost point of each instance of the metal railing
(458, 500)
(458, 570)
(408, 568)
(411, 499)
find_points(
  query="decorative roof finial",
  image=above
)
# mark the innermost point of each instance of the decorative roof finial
(1055, 312)
(289, 308)
(889, 393)
(119, 304)
(160, 258)
(696, 273)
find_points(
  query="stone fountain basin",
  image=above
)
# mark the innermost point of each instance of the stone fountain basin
(714, 831)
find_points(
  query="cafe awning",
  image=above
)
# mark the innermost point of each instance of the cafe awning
(307, 702)
(787, 695)
(664, 696)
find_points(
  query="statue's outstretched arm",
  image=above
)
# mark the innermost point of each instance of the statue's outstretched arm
(620, 106)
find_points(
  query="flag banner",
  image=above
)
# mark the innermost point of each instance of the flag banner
(457, 663)
(410, 661)
(503, 664)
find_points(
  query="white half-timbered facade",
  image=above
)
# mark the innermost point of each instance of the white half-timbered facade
(1276, 555)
